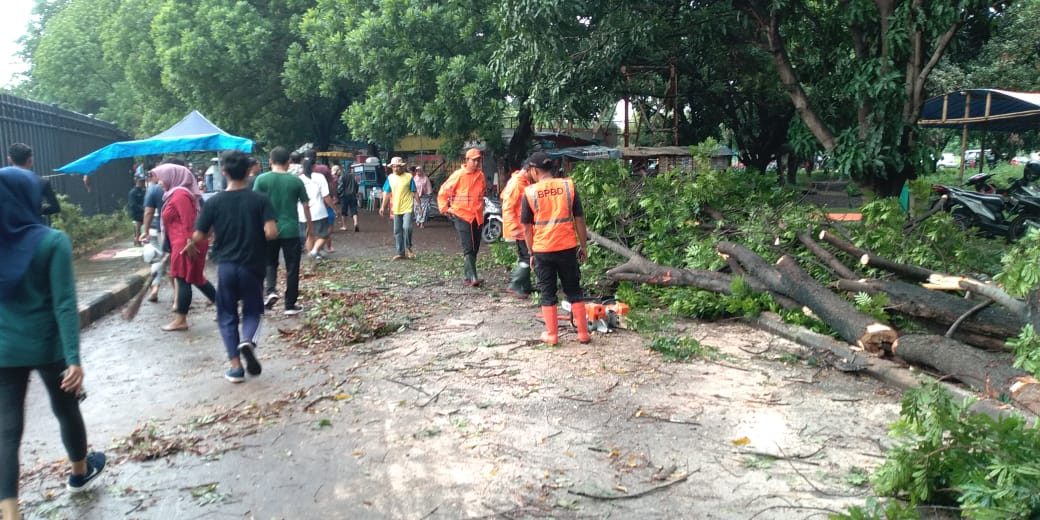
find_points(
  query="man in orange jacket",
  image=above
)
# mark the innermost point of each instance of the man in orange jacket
(461, 199)
(513, 231)
(554, 229)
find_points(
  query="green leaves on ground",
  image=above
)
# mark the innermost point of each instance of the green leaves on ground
(947, 455)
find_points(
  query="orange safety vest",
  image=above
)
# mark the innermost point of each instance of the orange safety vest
(511, 197)
(552, 202)
(463, 194)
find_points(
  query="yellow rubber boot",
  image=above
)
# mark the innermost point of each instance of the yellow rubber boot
(552, 326)
(581, 321)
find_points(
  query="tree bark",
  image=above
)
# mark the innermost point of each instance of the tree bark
(988, 372)
(912, 272)
(788, 278)
(852, 325)
(637, 268)
(840, 269)
(918, 302)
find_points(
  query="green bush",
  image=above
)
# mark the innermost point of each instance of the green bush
(86, 232)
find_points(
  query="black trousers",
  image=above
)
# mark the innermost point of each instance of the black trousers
(13, 384)
(561, 265)
(469, 235)
(290, 249)
(184, 294)
(523, 255)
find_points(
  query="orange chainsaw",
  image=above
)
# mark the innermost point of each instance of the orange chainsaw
(603, 317)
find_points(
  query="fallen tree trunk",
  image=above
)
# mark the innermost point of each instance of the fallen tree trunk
(637, 268)
(990, 373)
(869, 259)
(886, 370)
(852, 325)
(840, 269)
(916, 301)
(788, 278)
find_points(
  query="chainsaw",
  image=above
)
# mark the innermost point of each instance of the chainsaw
(603, 317)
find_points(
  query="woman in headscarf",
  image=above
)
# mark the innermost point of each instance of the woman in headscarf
(424, 193)
(39, 330)
(181, 198)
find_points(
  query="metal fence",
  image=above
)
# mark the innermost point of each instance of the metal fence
(59, 137)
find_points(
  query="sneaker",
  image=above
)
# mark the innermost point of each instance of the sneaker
(95, 465)
(314, 258)
(235, 375)
(270, 300)
(293, 311)
(356, 229)
(245, 349)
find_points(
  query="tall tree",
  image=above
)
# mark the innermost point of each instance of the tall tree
(424, 64)
(856, 73)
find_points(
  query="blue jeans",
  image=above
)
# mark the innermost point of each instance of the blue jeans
(403, 232)
(234, 284)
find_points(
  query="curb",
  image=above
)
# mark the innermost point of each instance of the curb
(119, 294)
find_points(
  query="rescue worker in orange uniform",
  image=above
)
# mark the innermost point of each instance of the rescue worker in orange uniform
(461, 199)
(513, 231)
(554, 229)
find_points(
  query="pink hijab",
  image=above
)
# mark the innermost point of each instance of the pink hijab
(177, 177)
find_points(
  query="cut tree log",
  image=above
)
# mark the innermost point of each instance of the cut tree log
(864, 257)
(889, 371)
(840, 269)
(943, 308)
(990, 373)
(788, 278)
(852, 325)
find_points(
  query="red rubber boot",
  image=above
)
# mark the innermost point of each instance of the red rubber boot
(551, 335)
(581, 321)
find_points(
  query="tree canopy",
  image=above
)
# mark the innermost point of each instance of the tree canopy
(773, 78)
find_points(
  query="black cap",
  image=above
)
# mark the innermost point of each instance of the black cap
(540, 160)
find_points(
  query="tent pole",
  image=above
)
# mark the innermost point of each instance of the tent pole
(964, 149)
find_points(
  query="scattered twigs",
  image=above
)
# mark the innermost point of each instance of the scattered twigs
(632, 495)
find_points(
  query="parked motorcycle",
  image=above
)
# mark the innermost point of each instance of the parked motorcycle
(995, 212)
(492, 228)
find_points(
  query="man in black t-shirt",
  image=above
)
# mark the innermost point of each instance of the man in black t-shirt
(241, 221)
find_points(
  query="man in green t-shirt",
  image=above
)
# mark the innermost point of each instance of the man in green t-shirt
(284, 190)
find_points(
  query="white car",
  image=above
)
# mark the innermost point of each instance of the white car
(948, 160)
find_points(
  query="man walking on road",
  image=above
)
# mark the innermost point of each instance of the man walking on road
(242, 221)
(20, 156)
(554, 229)
(461, 198)
(285, 191)
(400, 188)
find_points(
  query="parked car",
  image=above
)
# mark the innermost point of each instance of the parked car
(948, 160)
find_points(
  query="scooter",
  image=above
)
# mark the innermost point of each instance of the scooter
(995, 215)
(492, 228)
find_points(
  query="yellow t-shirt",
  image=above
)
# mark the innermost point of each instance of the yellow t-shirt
(401, 190)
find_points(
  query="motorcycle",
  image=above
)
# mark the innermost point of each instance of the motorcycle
(492, 228)
(996, 213)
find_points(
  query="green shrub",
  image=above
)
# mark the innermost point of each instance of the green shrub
(86, 232)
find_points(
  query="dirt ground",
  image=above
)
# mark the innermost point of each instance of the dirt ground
(448, 407)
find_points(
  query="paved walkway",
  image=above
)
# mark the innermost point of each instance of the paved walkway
(110, 277)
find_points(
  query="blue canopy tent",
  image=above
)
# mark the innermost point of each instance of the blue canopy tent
(193, 133)
(983, 109)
